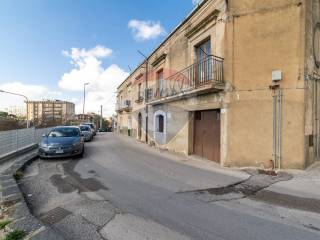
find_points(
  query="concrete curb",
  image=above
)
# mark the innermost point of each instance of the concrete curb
(20, 213)
(14, 154)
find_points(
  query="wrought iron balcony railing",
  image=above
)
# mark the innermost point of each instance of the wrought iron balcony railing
(124, 106)
(139, 97)
(208, 71)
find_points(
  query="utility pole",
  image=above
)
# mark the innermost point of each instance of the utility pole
(27, 102)
(84, 96)
(146, 92)
(101, 117)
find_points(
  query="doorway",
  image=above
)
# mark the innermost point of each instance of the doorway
(139, 126)
(207, 134)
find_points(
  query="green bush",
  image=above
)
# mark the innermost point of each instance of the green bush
(15, 235)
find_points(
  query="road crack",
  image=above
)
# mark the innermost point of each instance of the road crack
(243, 189)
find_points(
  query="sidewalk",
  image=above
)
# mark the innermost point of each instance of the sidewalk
(190, 160)
(304, 184)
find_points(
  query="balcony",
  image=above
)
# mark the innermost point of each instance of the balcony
(124, 106)
(202, 77)
(139, 98)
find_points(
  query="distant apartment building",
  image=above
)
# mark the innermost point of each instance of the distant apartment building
(86, 118)
(236, 82)
(19, 111)
(50, 112)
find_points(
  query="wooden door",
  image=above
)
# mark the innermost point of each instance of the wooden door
(207, 134)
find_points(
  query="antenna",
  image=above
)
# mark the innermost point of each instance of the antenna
(142, 54)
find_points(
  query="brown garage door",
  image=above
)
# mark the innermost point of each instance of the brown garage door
(207, 134)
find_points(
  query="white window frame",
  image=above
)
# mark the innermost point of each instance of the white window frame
(157, 134)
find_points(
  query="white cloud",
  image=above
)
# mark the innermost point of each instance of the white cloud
(145, 30)
(32, 92)
(78, 55)
(102, 81)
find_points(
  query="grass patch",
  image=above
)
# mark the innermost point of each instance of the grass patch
(18, 175)
(4, 223)
(15, 235)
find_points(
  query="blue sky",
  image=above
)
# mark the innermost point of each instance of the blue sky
(105, 35)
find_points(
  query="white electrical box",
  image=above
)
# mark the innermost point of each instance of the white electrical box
(276, 75)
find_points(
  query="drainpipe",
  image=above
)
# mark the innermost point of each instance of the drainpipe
(274, 137)
(280, 129)
(146, 79)
(277, 128)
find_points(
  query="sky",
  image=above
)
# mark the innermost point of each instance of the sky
(49, 49)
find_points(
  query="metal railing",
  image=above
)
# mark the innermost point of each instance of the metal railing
(124, 106)
(140, 97)
(15, 140)
(208, 70)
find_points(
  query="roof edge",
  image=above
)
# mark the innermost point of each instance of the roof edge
(189, 15)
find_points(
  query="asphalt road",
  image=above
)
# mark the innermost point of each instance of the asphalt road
(122, 189)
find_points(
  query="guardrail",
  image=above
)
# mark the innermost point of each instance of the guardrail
(16, 140)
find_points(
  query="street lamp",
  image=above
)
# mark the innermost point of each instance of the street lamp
(27, 101)
(84, 96)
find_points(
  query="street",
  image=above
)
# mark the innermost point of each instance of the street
(123, 189)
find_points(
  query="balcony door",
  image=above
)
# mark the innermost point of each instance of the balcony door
(160, 83)
(203, 66)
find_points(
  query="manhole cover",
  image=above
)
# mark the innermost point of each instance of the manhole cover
(55, 215)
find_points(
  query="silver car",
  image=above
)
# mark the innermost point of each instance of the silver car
(87, 132)
(93, 127)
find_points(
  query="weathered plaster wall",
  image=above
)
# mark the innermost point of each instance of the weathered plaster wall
(265, 36)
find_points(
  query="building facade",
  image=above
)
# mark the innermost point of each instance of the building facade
(19, 111)
(50, 112)
(236, 83)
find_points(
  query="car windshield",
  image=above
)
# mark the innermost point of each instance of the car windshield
(89, 124)
(85, 128)
(64, 132)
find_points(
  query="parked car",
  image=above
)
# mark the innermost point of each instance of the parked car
(62, 141)
(93, 127)
(87, 132)
(107, 129)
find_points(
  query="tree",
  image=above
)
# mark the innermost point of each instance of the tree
(3, 114)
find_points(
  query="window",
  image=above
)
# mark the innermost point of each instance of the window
(204, 67)
(160, 123)
(128, 90)
(149, 93)
(160, 82)
(64, 132)
(139, 91)
(203, 50)
(197, 115)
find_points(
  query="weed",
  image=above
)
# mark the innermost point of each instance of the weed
(4, 223)
(18, 175)
(15, 235)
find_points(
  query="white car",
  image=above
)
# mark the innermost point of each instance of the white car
(87, 132)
